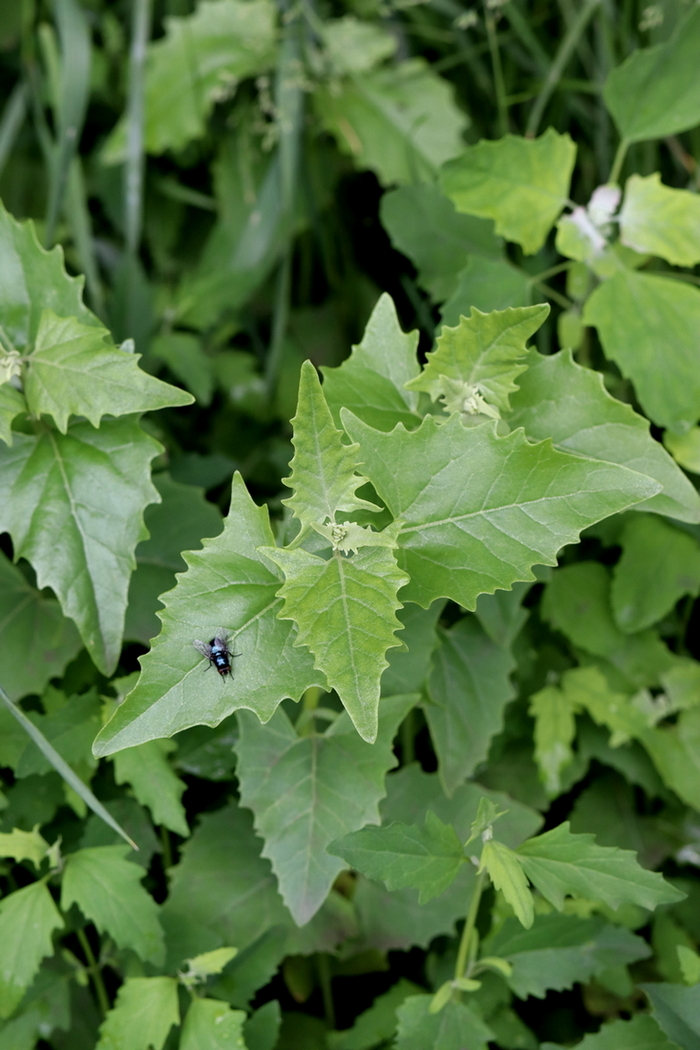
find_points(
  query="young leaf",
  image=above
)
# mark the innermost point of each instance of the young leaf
(400, 121)
(506, 873)
(306, 791)
(648, 325)
(560, 399)
(555, 729)
(12, 403)
(147, 770)
(468, 688)
(107, 889)
(522, 184)
(658, 220)
(656, 91)
(559, 863)
(27, 919)
(479, 360)
(24, 845)
(345, 612)
(676, 1010)
(404, 855)
(91, 486)
(227, 586)
(455, 1027)
(212, 1025)
(323, 468)
(372, 381)
(488, 284)
(480, 510)
(31, 619)
(145, 1012)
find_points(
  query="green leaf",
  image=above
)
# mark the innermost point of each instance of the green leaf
(648, 325)
(656, 92)
(107, 889)
(306, 791)
(481, 510)
(405, 855)
(146, 1010)
(378, 1023)
(560, 950)
(675, 751)
(200, 60)
(209, 963)
(212, 1025)
(488, 284)
(24, 845)
(559, 863)
(660, 220)
(506, 873)
(479, 360)
(323, 474)
(74, 370)
(522, 184)
(229, 586)
(453, 1028)
(408, 668)
(261, 1030)
(677, 1012)
(685, 448)
(12, 403)
(468, 688)
(659, 564)
(371, 382)
(28, 917)
(71, 729)
(184, 355)
(73, 505)
(154, 783)
(555, 729)
(31, 619)
(354, 46)
(400, 121)
(345, 611)
(560, 399)
(641, 1032)
(424, 225)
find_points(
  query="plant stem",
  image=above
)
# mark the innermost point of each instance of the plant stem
(614, 176)
(469, 925)
(133, 168)
(94, 971)
(324, 978)
(558, 65)
(498, 82)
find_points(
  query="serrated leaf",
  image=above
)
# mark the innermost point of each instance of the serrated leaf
(559, 863)
(641, 1032)
(480, 510)
(376, 1024)
(468, 689)
(24, 845)
(186, 358)
(488, 284)
(154, 782)
(87, 489)
(12, 403)
(28, 917)
(656, 92)
(371, 382)
(107, 889)
(306, 791)
(522, 184)
(31, 619)
(345, 612)
(405, 855)
(74, 370)
(396, 919)
(200, 60)
(453, 1028)
(401, 121)
(555, 729)
(228, 586)
(481, 356)
(409, 667)
(658, 220)
(560, 399)
(323, 468)
(212, 1025)
(506, 873)
(677, 1012)
(145, 1011)
(648, 325)
(71, 730)
(659, 564)
(209, 963)
(675, 751)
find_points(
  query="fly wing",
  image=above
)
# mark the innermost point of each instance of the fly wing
(222, 638)
(203, 648)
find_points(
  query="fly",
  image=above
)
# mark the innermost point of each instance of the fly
(217, 653)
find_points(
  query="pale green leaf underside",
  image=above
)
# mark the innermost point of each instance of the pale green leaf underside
(73, 371)
(12, 403)
(522, 184)
(481, 510)
(154, 783)
(227, 586)
(145, 1011)
(90, 488)
(345, 611)
(212, 1025)
(658, 220)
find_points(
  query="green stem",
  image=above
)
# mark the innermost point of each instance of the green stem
(469, 926)
(324, 978)
(498, 82)
(407, 735)
(552, 272)
(614, 176)
(309, 702)
(94, 971)
(133, 168)
(558, 65)
(553, 294)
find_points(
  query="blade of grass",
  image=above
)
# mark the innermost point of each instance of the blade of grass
(78, 215)
(63, 769)
(134, 166)
(11, 121)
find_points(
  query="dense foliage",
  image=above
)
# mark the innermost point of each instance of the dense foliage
(440, 787)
